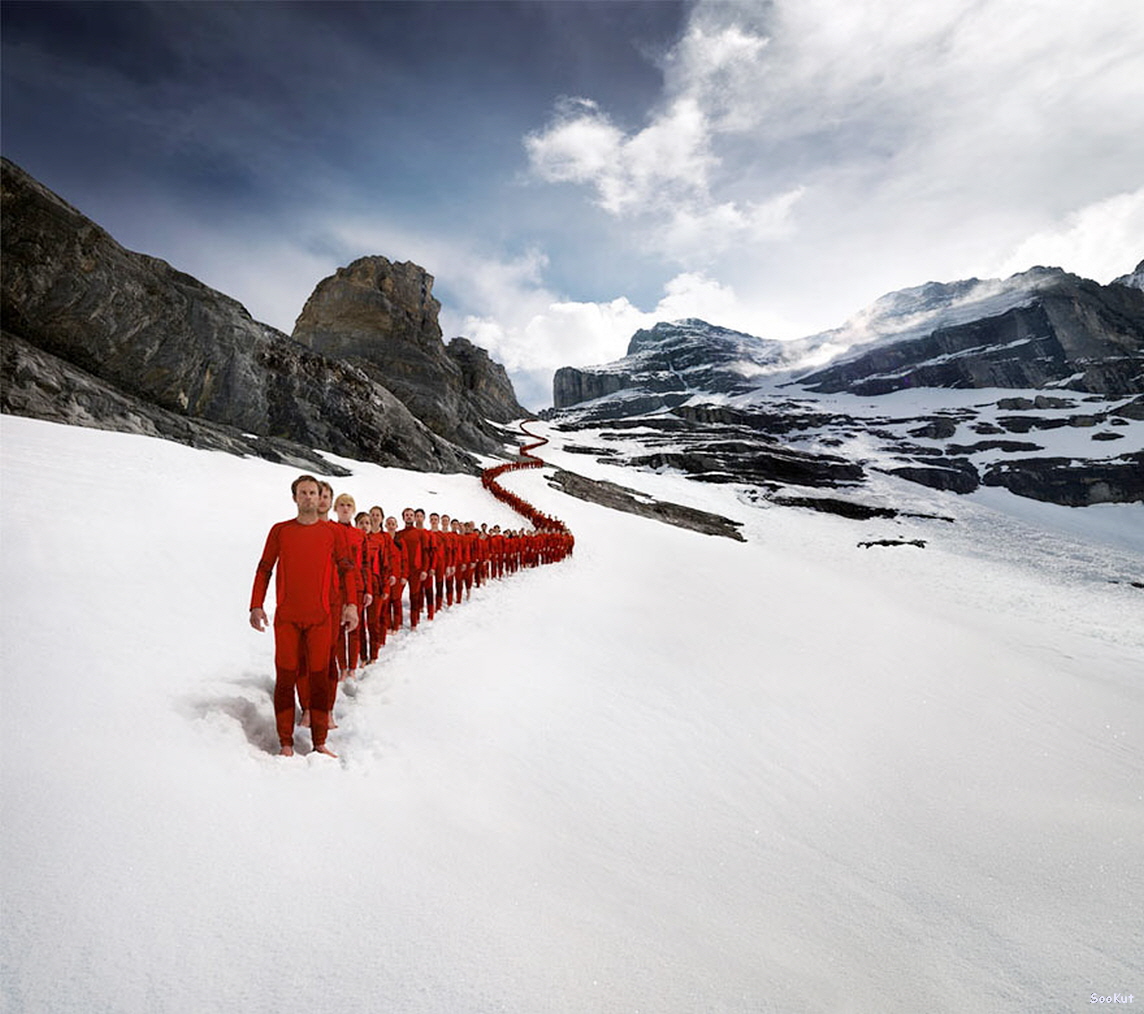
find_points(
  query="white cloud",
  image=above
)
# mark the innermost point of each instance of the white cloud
(665, 161)
(1101, 241)
(833, 152)
(664, 172)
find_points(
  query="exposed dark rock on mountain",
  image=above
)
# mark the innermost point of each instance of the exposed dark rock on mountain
(1066, 330)
(129, 342)
(631, 501)
(666, 364)
(956, 475)
(1064, 481)
(382, 317)
(721, 406)
(1134, 279)
(42, 386)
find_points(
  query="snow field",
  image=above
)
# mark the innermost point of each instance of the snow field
(671, 774)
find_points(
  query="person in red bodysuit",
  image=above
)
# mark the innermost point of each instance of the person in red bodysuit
(378, 616)
(349, 642)
(411, 541)
(306, 554)
(400, 573)
(451, 595)
(429, 559)
(463, 579)
(371, 583)
(440, 560)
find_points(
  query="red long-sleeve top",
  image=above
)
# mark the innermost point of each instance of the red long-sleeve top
(312, 563)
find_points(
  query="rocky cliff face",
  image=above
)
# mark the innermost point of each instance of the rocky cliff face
(382, 317)
(1041, 329)
(95, 334)
(668, 363)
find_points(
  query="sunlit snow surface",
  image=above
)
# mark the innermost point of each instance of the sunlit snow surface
(674, 774)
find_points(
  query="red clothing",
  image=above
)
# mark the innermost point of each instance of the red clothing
(314, 572)
(311, 565)
(412, 542)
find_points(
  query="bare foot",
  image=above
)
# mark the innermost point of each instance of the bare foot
(332, 724)
(286, 751)
(305, 721)
(326, 750)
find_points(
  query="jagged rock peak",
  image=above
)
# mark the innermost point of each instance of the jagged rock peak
(369, 301)
(690, 329)
(667, 363)
(1134, 279)
(382, 316)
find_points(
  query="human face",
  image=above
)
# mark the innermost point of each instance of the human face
(306, 496)
(435, 522)
(345, 512)
(363, 523)
(325, 498)
(377, 518)
(391, 524)
(407, 516)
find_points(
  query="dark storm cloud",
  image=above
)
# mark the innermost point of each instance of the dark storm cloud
(251, 101)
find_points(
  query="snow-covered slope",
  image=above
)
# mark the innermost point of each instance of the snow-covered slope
(674, 773)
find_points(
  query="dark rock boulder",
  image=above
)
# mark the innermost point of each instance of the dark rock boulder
(1072, 483)
(160, 338)
(1133, 409)
(956, 475)
(382, 317)
(631, 501)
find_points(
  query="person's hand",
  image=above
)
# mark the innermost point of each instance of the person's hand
(349, 617)
(258, 618)
(367, 601)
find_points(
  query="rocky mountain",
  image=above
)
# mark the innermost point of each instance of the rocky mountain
(1043, 328)
(97, 335)
(909, 392)
(666, 364)
(382, 317)
(1134, 279)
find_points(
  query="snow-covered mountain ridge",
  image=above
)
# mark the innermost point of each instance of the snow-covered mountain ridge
(972, 362)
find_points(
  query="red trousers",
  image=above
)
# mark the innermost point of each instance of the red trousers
(377, 622)
(416, 599)
(293, 643)
(350, 642)
(395, 613)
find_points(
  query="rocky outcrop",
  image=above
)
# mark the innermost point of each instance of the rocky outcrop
(1071, 483)
(382, 317)
(571, 386)
(667, 364)
(153, 337)
(631, 501)
(42, 386)
(1068, 331)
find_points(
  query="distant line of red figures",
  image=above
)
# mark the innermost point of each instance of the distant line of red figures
(339, 585)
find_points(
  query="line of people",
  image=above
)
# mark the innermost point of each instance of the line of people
(341, 586)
